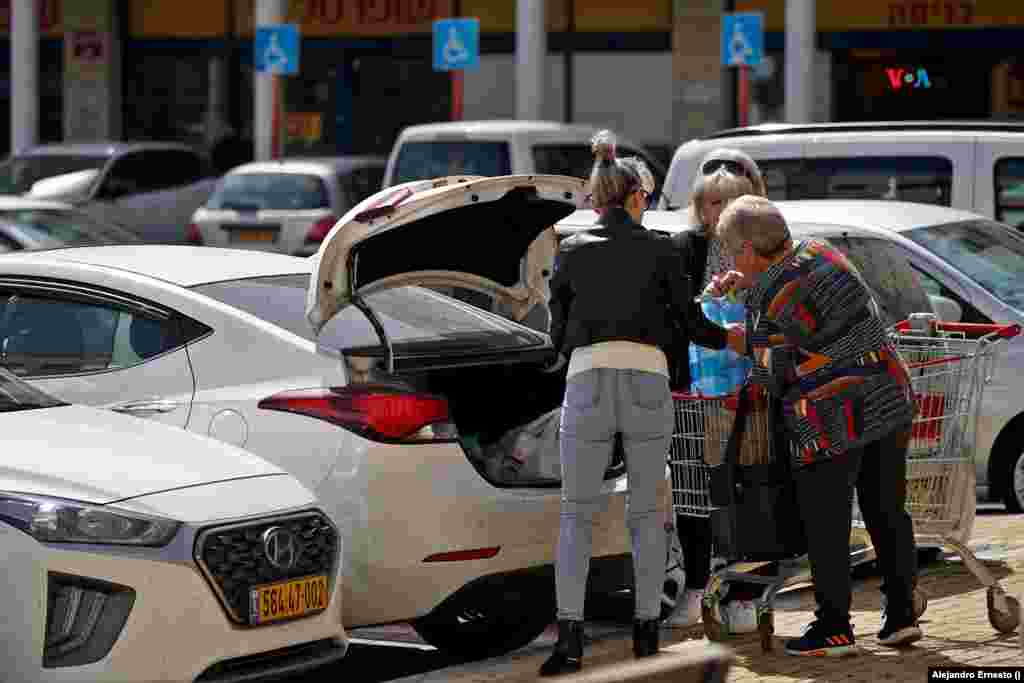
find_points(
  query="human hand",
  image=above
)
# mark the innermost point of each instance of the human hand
(736, 338)
(723, 284)
(554, 365)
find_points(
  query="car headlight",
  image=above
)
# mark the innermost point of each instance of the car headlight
(55, 520)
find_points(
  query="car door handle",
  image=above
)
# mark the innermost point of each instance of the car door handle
(146, 408)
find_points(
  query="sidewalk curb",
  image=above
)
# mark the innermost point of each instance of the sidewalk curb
(606, 660)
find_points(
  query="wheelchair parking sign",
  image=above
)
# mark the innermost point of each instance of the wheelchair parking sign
(277, 49)
(456, 44)
(742, 38)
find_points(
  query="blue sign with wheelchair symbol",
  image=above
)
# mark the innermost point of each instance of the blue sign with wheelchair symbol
(277, 49)
(742, 38)
(456, 44)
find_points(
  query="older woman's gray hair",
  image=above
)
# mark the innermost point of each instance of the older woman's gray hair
(750, 167)
(756, 220)
(719, 185)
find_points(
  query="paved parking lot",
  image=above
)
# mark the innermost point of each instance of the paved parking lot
(957, 632)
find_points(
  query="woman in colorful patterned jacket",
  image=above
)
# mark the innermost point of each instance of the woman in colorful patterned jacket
(818, 344)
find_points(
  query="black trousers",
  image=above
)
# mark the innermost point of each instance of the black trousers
(825, 495)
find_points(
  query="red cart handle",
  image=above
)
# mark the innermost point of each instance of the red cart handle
(1003, 331)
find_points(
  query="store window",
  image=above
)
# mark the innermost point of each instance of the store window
(1009, 175)
(927, 180)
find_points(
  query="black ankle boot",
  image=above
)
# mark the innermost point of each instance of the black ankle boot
(645, 637)
(568, 654)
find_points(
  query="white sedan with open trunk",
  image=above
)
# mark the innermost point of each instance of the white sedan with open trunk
(394, 414)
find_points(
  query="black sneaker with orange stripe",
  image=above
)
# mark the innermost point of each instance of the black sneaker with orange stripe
(820, 640)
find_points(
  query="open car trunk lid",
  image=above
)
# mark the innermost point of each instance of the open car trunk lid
(465, 232)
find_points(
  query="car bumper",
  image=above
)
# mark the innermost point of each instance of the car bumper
(176, 629)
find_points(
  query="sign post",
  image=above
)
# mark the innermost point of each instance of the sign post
(743, 47)
(276, 53)
(457, 48)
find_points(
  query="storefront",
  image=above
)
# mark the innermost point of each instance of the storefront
(51, 73)
(907, 60)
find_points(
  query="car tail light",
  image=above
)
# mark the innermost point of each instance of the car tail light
(193, 236)
(380, 413)
(320, 229)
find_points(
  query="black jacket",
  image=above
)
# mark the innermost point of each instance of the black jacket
(622, 282)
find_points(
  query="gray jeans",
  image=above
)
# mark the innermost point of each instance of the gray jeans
(598, 404)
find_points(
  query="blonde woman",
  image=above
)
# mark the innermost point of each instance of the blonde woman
(731, 174)
(609, 298)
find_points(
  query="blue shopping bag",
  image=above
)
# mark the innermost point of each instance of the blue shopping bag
(717, 373)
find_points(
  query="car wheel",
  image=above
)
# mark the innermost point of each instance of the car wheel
(1013, 492)
(490, 618)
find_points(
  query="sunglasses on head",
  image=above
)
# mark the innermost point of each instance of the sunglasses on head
(734, 167)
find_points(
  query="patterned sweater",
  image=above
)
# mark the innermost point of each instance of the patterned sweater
(819, 346)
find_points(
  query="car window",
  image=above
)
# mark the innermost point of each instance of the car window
(409, 315)
(578, 161)
(1009, 176)
(56, 227)
(18, 174)
(178, 166)
(968, 313)
(887, 273)
(131, 174)
(571, 160)
(987, 252)
(270, 191)
(44, 336)
(17, 394)
(360, 183)
(927, 180)
(422, 160)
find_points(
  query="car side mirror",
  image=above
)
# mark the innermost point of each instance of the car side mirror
(947, 310)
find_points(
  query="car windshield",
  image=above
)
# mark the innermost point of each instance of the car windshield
(48, 227)
(17, 394)
(410, 316)
(18, 174)
(987, 252)
(270, 191)
(421, 160)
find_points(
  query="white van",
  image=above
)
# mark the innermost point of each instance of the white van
(977, 165)
(501, 147)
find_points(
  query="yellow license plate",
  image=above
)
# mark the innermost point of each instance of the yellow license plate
(256, 235)
(276, 601)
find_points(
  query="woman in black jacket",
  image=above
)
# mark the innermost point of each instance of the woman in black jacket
(725, 175)
(615, 297)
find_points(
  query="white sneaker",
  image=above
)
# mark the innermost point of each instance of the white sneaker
(687, 612)
(740, 616)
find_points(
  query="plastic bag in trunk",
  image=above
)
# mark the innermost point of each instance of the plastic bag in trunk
(528, 453)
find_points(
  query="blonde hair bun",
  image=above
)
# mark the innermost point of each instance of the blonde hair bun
(602, 145)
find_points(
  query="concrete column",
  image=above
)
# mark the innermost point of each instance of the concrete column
(24, 74)
(798, 79)
(531, 58)
(699, 105)
(267, 12)
(215, 124)
(92, 71)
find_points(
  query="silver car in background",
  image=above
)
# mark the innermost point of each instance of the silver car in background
(286, 206)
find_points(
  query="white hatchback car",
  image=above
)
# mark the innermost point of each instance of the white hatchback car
(136, 552)
(286, 206)
(217, 341)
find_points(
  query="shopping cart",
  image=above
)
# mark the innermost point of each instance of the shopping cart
(950, 365)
